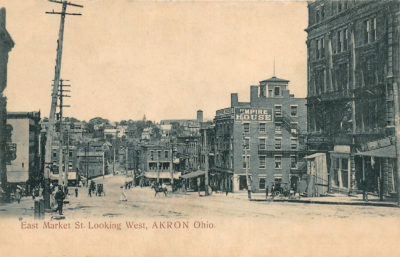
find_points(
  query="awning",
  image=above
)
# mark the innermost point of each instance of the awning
(153, 174)
(314, 155)
(385, 152)
(193, 174)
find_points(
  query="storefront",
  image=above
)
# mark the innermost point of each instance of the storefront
(376, 170)
(317, 174)
(340, 175)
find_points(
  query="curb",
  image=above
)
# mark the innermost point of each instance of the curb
(329, 202)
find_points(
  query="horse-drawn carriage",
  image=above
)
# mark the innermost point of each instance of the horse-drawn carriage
(100, 190)
(159, 189)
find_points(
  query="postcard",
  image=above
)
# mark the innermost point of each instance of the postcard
(199, 128)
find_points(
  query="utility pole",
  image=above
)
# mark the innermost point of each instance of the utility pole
(397, 135)
(87, 149)
(66, 166)
(114, 146)
(206, 153)
(50, 129)
(61, 96)
(172, 164)
(103, 164)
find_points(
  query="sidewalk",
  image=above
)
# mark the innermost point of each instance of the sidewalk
(334, 199)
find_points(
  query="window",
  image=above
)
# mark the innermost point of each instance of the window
(293, 131)
(317, 16)
(246, 143)
(342, 41)
(278, 162)
(152, 155)
(262, 161)
(278, 128)
(277, 91)
(293, 110)
(246, 127)
(159, 154)
(262, 144)
(261, 184)
(70, 154)
(293, 143)
(320, 48)
(278, 110)
(166, 154)
(278, 143)
(54, 154)
(293, 162)
(322, 12)
(339, 41)
(262, 128)
(245, 161)
(370, 30)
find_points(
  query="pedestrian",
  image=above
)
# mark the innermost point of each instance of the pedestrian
(266, 192)
(272, 190)
(18, 194)
(365, 191)
(76, 191)
(60, 196)
(123, 195)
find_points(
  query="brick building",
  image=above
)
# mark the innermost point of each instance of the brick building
(353, 65)
(262, 135)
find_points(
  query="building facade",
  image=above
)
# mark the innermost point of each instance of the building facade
(353, 68)
(6, 44)
(23, 167)
(261, 138)
(158, 163)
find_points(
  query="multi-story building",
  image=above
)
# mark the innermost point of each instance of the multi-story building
(6, 44)
(93, 159)
(24, 166)
(353, 68)
(260, 137)
(158, 162)
(69, 163)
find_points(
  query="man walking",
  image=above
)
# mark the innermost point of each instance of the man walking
(60, 196)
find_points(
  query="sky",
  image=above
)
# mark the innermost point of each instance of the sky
(165, 60)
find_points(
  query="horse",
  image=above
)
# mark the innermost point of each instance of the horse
(159, 189)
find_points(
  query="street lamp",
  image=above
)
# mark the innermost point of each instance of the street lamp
(247, 166)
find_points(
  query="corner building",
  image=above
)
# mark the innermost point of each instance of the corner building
(353, 65)
(264, 136)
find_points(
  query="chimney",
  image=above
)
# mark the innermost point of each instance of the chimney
(234, 99)
(3, 17)
(253, 94)
(199, 116)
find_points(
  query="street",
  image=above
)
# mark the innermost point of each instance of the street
(275, 228)
(142, 203)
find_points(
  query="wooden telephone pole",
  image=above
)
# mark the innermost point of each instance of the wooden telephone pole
(51, 128)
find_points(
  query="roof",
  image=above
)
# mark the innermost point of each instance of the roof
(193, 174)
(385, 152)
(275, 79)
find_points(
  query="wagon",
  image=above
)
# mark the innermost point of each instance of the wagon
(100, 190)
